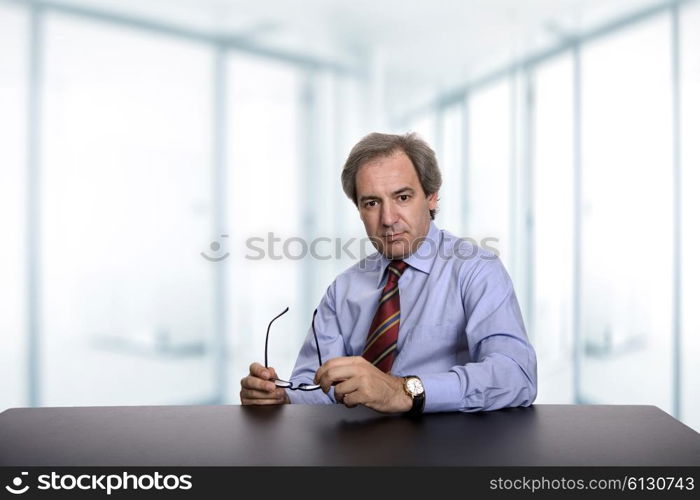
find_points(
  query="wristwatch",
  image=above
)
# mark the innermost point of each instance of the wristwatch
(413, 386)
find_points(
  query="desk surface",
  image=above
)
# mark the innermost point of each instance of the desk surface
(541, 435)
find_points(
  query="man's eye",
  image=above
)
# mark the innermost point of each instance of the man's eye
(371, 203)
(404, 197)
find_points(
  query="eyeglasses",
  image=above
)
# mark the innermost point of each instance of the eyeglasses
(284, 383)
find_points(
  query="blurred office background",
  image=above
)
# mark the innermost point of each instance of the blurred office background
(143, 143)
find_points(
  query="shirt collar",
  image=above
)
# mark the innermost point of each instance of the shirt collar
(422, 259)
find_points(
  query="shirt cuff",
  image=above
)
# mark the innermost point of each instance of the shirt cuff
(443, 392)
(293, 398)
(310, 397)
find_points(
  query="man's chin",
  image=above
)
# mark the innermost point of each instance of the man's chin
(399, 249)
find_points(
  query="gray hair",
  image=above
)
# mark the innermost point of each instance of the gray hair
(377, 145)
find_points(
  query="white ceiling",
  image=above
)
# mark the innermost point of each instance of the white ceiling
(418, 44)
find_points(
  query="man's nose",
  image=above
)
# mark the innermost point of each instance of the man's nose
(389, 214)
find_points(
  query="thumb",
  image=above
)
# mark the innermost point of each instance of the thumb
(273, 373)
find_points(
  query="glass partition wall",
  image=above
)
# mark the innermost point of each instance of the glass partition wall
(160, 192)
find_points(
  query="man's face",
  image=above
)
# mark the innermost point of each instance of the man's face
(392, 205)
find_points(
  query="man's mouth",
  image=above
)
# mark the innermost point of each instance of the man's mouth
(393, 237)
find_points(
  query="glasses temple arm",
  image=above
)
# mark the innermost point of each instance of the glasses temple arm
(313, 329)
(267, 335)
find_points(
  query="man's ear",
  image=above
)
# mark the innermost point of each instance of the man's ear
(432, 201)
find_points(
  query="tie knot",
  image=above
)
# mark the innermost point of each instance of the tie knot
(396, 269)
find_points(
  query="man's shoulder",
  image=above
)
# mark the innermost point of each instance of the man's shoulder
(472, 261)
(466, 248)
(359, 275)
(369, 264)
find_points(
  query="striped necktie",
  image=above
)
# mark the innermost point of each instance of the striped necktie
(380, 348)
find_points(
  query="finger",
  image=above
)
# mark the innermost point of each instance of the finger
(279, 393)
(251, 382)
(335, 363)
(255, 394)
(258, 370)
(346, 387)
(337, 374)
(250, 396)
(352, 399)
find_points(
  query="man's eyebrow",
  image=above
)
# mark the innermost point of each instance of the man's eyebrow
(368, 197)
(403, 190)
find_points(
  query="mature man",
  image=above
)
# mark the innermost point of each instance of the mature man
(429, 323)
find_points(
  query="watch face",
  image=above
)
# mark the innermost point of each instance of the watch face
(414, 386)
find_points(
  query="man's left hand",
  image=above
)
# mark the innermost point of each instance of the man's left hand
(357, 381)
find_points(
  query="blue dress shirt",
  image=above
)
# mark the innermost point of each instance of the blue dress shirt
(461, 329)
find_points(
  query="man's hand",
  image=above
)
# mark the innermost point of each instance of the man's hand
(257, 388)
(357, 381)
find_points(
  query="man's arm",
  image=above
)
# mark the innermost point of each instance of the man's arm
(358, 381)
(504, 370)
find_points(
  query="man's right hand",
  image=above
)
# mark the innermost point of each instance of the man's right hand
(258, 388)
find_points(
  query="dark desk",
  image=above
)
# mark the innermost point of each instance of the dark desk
(542, 435)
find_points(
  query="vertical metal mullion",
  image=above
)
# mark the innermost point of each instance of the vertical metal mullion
(439, 132)
(513, 197)
(33, 227)
(439, 128)
(577, 196)
(337, 156)
(466, 150)
(677, 211)
(309, 164)
(529, 202)
(219, 188)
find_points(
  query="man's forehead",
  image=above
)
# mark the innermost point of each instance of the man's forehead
(396, 167)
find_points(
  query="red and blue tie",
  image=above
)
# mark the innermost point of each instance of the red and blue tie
(380, 348)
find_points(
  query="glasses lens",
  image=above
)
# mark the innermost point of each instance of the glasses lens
(282, 383)
(308, 387)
